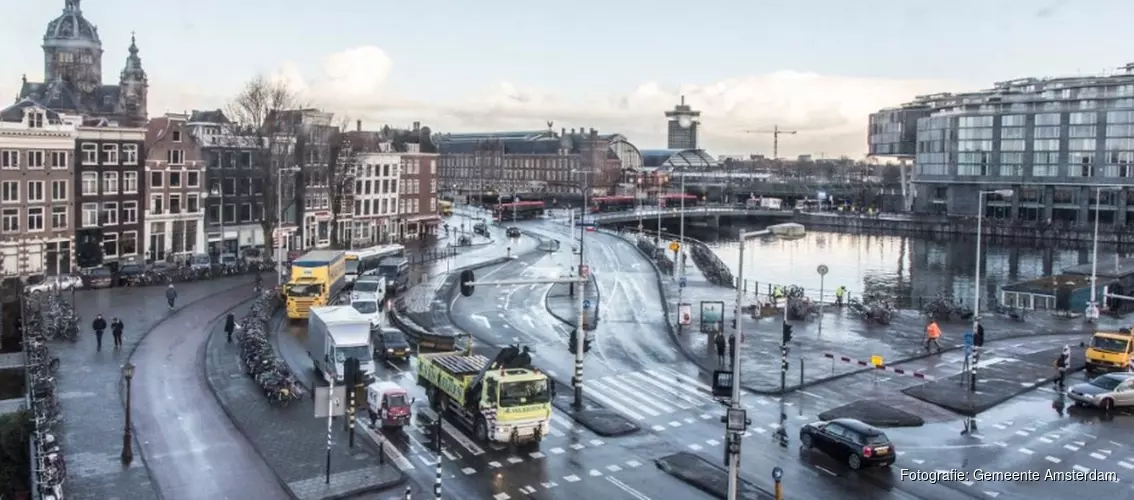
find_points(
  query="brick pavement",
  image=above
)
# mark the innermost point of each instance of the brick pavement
(291, 440)
(89, 385)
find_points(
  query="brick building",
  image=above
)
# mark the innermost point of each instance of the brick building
(175, 180)
(109, 193)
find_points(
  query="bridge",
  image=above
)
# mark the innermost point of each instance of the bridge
(721, 185)
(712, 214)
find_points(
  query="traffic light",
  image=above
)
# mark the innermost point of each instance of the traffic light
(351, 372)
(467, 278)
(978, 337)
(787, 333)
(573, 342)
(586, 346)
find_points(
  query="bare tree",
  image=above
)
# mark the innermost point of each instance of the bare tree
(256, 112)
(341, 164)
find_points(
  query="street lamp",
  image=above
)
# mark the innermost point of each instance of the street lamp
(1092, 313)
(1005, 193)
(127, 439)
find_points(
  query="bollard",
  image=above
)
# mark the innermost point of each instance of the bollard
(779, 491)
(381, 450)
(801, 372)
(409, 492)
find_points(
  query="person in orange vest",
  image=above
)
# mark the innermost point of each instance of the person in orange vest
(932, 335)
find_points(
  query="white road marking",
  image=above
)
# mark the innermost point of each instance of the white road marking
(501, 496)
(468, 471)
(1052, 459)
(515, 460)
(483, 320)
(461, 438)
(536, 455)
(1080, 468)
(596, 442)
(557, 451)
(695, 447)
(613, 468)
(820, 467)
(495, 465)
(448, 454)
(1098, 456)
(1025, 451)
(1070, 447)
(1022, 433)
(712, 442)
(991, 494)
(578, 446)
(634, 464)
(1126, 465)
(624, 487)
(1046, 440)
(571, 479)
(595, 473)
(549, 485)
(400, 461)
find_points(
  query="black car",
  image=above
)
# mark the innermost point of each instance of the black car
(850, 441)
(130, 274)
(390, 344)
(480, 228)
(513, 232)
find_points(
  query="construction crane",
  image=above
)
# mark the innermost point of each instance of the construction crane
(775, 138)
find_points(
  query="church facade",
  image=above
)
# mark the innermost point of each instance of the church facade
(73, 79)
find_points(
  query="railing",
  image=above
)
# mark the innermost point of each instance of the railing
(693, 211)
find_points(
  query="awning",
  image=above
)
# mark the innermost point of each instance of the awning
(425, 219)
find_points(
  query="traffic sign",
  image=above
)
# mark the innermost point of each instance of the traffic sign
(968, 339)
(822, 270)
(586, 304)
(681, 282)
(674, 246)
(777, 474)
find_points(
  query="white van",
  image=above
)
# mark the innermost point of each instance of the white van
(368, 305)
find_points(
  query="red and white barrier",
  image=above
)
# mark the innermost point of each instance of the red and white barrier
(899, 371)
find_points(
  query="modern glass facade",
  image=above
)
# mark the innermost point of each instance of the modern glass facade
(1054, 141)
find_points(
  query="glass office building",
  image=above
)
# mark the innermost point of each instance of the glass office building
(1054, 141)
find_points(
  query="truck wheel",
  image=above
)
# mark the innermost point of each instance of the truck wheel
(373, 418)
(480, 430)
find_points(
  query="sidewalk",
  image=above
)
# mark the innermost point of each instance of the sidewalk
(291, 440)
(89, 387)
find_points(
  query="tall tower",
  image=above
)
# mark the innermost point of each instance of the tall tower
(683, 124)
(72, 50)
(133, 85)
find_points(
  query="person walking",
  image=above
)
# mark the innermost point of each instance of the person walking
(720, 341)
(229, 326)
(732, 348)
(116, 327)
(932, 336)
(171, 295)
(99, 325)
(1061, 364)
(839, 293)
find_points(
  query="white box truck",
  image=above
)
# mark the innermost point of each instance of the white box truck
(336, 333)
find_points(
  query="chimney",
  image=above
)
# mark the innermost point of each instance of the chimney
(358, 125)
(416, 126)
(572, 131)
(594, 133)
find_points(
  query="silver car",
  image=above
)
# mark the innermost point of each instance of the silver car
(1106, 391)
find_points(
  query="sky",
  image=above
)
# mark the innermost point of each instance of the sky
(815, 66)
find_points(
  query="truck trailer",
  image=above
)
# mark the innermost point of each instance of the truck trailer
(505, 400)
(335, 333)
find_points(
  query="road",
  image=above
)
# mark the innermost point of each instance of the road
(192, 449)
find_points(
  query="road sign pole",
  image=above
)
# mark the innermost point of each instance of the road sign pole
(579, 341)
(976, 361)
(822, 270)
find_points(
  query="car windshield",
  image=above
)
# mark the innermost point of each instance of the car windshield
(361, 352)
(369, 286)
(393, 339)
(366, 307)
(100, 272)
(1108, 344)
(395, 400)
(524, 393)
(352, 266)
(1106, 382)
(303, 290)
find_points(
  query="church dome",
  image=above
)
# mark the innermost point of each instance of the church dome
(71, 25)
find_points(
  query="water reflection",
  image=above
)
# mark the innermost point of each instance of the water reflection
(907, 268)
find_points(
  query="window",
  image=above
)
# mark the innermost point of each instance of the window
(245, 212)
(109, 154)
(432, 186)
(174, 179)
(59, 190)
(229, 186)
(35, 159)
(193, 179)
(58, 218)
(175, 156)
(129, 212)
(129, 243)
(110, 213)
(110, 245)
(9, 159)
(10, 192)
(246, 159)
(129, 182)
(157, 202)
(110, 183)
(35, 219)
(59, 159)
(90, 184)
(156, 179)
(35, 120)
(129, 154)
(90, 214)
(176, 136)
(229, 213)
(192, 204)
(35, 191)
(11, 220)
(90, 153)
(174, 203)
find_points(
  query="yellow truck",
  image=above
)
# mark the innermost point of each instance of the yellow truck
(504, 400)
(317, 277)
(1110, 351)
(445, 207)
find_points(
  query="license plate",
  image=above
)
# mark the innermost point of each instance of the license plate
(882, 450)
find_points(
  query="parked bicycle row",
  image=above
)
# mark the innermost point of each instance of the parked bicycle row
(52, 317)
(664, 263)
(259, 359)
(45, 411)
(138, 274)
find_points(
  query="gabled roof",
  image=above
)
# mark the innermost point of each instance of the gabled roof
(15, 112)
(209, 116)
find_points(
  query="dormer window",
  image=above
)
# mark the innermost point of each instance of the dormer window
(36, 119)
(176, 136)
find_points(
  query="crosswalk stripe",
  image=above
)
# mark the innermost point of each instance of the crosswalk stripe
(614, 405)
(598, 385)
(666, 373)
(612, 382)
(682, 399)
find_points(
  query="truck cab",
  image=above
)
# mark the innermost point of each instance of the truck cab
(388, 404)
(1110, 351)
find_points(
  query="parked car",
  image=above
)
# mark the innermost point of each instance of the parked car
(1108, 391)
(130, 273)
(97, 277)
(391, 344)
(51, 283)
(850, 441)
(513, 232)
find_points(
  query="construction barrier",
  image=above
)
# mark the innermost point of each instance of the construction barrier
(899, 371)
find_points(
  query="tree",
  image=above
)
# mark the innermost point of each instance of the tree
(341, 164)
(257, 111)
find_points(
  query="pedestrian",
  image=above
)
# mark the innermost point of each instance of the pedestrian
(720, 350)
(229, 326)
(932, 335)
(839, 292)
(1061, 364)
(99, 325)
(732, 348)
(170, 295)
(116, 327)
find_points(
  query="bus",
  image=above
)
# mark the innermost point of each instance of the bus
(519, 210)
(673, 200)
(358, 262)
(612, 203)
(446, 208)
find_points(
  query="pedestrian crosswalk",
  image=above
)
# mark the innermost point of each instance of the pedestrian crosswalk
(646, 394)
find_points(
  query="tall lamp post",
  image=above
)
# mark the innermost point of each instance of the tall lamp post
(680, 265)
(1092, 312)
(127, 438)
(1005, 193)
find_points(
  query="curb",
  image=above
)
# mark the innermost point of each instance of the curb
(473, 245)
(455, 290)
(598, 299)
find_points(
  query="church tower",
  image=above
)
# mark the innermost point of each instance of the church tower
(133, 86)
(72, 51)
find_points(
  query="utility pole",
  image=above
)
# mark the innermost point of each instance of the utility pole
(776, 132)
